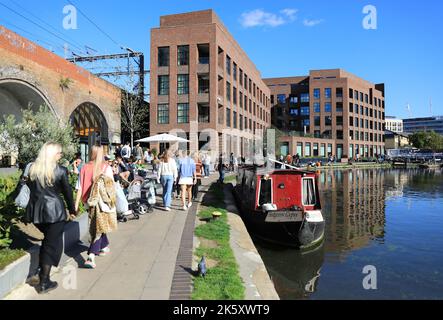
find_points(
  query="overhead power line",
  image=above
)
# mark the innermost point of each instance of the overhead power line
(90, 20)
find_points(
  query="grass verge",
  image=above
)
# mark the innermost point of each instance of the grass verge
(8, 256)
(223, 281)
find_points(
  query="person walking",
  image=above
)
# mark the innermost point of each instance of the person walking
(198, 176)
(167, 174)
(207, 164)
(46, 209)
(126, 152)
(221, 169)
(147, 157)
(187, 179)
(231, 162)
(95, 186)
(138, 154)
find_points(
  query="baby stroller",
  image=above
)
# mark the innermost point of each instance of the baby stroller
(141, 196)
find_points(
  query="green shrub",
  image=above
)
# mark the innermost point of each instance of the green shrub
(7, 256)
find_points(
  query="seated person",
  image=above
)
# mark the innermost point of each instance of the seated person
(123, 170)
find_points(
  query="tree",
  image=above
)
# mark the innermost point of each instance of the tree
(26, 138)
(134, 117)
(427, 140)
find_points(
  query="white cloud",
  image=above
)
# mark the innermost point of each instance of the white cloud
(311, 23)
(258, 17)
(290, 13)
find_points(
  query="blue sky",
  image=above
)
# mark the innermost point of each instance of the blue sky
(283, 38)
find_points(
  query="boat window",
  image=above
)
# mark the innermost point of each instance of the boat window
(265, 195)
(309, 192)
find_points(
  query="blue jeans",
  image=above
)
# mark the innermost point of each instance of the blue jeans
(222, 176)
(207, 173)
(167, 183)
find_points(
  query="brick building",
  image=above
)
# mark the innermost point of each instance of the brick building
(203, 85)
(329, 112)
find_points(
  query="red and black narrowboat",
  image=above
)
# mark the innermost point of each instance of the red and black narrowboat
(281, 206)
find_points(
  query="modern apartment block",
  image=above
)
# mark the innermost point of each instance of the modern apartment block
(203, 85)
(393, 124)
(329, 112)
(424, 124)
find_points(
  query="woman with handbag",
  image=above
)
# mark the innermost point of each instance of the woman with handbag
(46, 209)
(95, 187)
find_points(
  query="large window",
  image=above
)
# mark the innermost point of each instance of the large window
(183, 55)
(203, 83)
(235, 72)
(228, 117)
(339, 92)
(281, 98)
(183, 113)
(316, 93)
(203, 113)
(328, 93)
(293, 112)
(234, 119)
(183, 84)
(228, 91)
(317, 107)
(339, 121)
(317, 121)
(328, 107)
(163, 114)
(163, 57)
(304, 111)
(328, 121)
(228, 65)
(163, 85)
(203, 53)
(307, 149)
(234, 95)
(304, 97)
(309, 198)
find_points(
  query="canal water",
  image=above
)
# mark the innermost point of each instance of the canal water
(389, 221)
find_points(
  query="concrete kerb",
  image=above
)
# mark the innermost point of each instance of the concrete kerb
(256, 279)
(24, 269)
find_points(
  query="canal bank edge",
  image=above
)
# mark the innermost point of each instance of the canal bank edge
(21, 271)
(258, 283)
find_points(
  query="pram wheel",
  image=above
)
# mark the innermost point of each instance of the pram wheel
(137, 217)
(124, 220)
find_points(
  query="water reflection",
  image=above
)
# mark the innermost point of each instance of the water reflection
(388, 218)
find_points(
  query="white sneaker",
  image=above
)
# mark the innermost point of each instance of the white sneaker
(185, 208)
(189, 205)
(168, 209)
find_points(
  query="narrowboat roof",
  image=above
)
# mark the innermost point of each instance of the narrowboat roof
(260, 170)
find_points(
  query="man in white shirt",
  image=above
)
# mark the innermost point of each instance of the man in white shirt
(126, 152)
(207, 164)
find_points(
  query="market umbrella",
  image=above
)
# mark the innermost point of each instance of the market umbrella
(163, 138)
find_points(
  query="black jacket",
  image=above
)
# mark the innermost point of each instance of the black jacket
(45, 204)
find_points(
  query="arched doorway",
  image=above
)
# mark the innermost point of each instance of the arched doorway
(91, 127)
(15, 96)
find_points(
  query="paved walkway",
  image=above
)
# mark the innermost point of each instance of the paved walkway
(141, 266)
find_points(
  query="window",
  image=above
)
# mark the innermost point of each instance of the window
(328, 107)
(328, 121)
(304, 97)
(293, 112)
(203, 113)
(234, 93)
(163, 57)
(203, 53)
(316, 93)
(183, 55)
(361, 96)
(234, 120)
(339, 107)
(241, 122)
(246, 82)
(241, 100)
(265, 192)
(240, 78)
(306, 122)
(362, 109)
(351, 107)
(351, 93)
(323, 150)
(366, 111)
(304, 111)
(281, 98)
(163, 113)
(228, 117)
(228, 91)
(328, 93)
(250, 86)
(366, 98)
(183, 84)
(183, 113)
(355, 94)
(203, 83)
(339, 92)
(272, 99)
(293, 100)
(317, 120)
(163, 85)
(356, 122)
(228, 65)
(351, 121)
(235, 72)
(307, 149)
(339, 120)
(317, 107)
(339, 134)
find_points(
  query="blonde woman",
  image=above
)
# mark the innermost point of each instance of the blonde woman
(167, 174)
(46, 209)
(88, 175)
